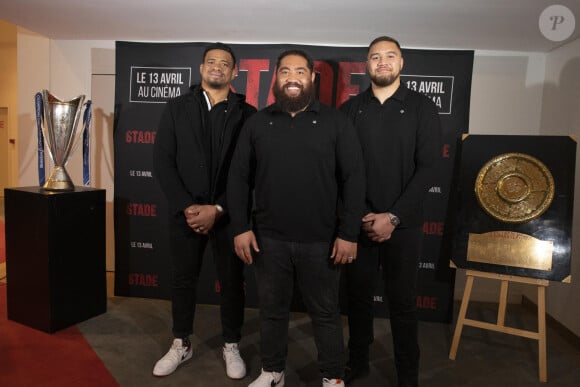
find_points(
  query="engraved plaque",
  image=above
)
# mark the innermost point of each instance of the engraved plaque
(510, 249)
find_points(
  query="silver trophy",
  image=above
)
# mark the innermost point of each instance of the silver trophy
(61, 136)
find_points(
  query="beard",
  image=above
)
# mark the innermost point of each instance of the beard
(215, 84)
(384, 80)
(294, 104)
(215, 81)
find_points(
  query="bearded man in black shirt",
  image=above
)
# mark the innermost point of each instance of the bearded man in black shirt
(297, 155)
(400, 134)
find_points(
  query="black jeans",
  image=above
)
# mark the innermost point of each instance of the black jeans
(187, 250)
(276, 266)
(399, 258)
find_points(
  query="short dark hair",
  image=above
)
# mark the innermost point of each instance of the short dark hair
(219, 46)
(297, 52)
(384, 39)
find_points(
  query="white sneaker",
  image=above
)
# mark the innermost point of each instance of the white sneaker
(176, 355)
(235, 366)
(332, 382)
(269, 379)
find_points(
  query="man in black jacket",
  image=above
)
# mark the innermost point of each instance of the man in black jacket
(193, 148)
(400, 135)
(297, 155)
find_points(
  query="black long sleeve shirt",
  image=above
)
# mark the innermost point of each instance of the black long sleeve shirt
(299, 167)
(402, 145)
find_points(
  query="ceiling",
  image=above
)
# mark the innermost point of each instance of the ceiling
(511, 25)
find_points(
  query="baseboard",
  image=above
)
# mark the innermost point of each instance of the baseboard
(566, 333)
(110, 284)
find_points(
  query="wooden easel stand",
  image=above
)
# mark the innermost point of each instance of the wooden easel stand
(500, 326)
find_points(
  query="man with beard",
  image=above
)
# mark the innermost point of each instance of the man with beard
(400, 134)
(297, 155)
(192, 154)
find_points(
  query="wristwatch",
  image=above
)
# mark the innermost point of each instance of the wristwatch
(395, 221)
(219, 209)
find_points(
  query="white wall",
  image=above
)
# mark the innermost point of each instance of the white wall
(506, 93)
(506, 98)
(8, 99)
(561, 116)
(33, 58)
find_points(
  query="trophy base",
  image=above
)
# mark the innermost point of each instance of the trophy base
(59, 180)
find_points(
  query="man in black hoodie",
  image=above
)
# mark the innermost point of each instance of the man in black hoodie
(193, 149)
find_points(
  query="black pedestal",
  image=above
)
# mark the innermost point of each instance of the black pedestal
(55, 256)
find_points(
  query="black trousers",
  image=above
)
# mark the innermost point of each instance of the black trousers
(187, 250)
(398, 257)
(276, 267)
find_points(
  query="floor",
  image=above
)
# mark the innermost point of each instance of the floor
(135, 332)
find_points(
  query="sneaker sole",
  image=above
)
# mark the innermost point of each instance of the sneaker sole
(280, 383)
(236, 377)
(188, 357)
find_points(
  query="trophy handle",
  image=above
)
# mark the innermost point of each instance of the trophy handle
(87, 143)
(83, 134)
(40, 143)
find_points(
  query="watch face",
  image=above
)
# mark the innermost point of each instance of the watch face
(394, 220)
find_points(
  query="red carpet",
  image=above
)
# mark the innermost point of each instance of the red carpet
(31, 358)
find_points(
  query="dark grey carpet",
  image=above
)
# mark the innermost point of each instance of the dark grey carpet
(135, 332)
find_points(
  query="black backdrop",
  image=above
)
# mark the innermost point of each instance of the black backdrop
(147, 74)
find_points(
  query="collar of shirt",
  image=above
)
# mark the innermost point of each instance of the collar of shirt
(398, 95)
(208, 100)
(313, 107)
